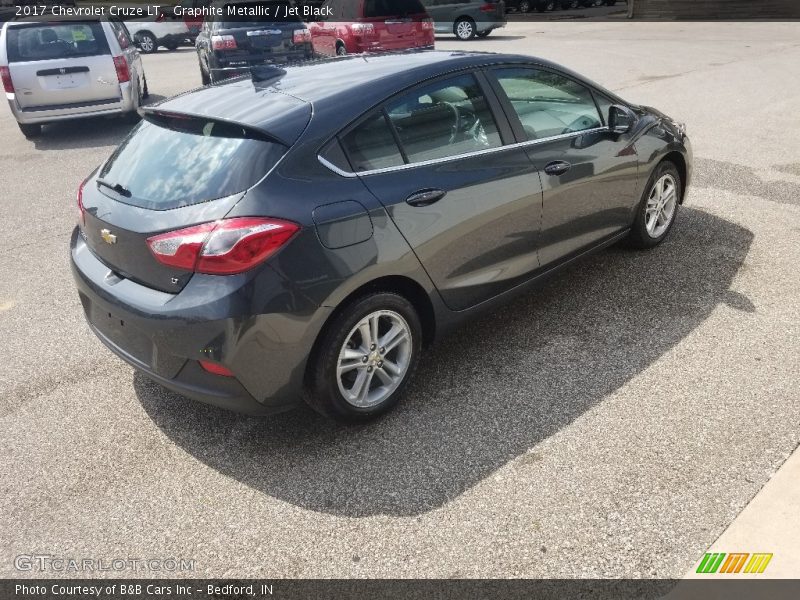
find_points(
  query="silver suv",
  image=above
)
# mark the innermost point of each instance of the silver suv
(61, 69)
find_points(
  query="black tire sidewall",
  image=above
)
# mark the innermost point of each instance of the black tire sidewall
(322, 391)
(639, 236)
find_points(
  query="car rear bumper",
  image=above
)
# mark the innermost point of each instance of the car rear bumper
(124, 103)
(212, 318)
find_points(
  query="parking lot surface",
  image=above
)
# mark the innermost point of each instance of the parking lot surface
(610, 425)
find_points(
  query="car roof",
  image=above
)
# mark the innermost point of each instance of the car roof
(347, 86)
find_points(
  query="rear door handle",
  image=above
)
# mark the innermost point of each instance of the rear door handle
(425, 197)
(557, 167)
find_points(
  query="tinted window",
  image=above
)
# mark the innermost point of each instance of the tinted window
(446, 118)
(55, 40)
(170, 162)
(548, 104)
(392, 8)
(371, 145)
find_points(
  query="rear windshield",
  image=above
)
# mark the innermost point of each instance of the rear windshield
(47, 41)
(249, 14)
(168, 162)
(392, 8)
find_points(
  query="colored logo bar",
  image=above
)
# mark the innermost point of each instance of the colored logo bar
(734, 562)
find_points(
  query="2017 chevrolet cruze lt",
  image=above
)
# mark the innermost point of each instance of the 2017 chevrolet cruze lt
(304, 232)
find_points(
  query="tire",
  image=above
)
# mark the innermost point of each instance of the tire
(645, 233)
(328, 390)
(30, 131)
(545, 5)
(147, 42)
(483, 34)
(611, 2)
(569, 4)
(145, 90)
(341, 49)
(464, 28)
(524, 6)
(203, 75)
(172, 46)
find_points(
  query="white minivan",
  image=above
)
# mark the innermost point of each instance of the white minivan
(59, 69)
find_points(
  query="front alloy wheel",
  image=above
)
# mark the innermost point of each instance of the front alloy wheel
(661, 205)
(365, 357)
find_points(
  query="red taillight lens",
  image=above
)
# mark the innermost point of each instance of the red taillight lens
(223, 42)
(215, 368)
(487, 8)
(300, 36)
(427, 24)
(81, 209)
(8, 85)
(225, 247)
(121, 65)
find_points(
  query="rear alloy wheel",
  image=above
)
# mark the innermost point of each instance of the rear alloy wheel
(30, 131)
(365, 359)
(464, 28)
(545, 6)
(658, 208)
(147, 42)
(524, 6)
(569, 4)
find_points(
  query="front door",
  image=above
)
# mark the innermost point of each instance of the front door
(588, 173)
(469, 207)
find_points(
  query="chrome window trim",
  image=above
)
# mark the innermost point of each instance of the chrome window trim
(445, 159)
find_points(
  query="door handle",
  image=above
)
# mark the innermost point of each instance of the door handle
(425, 197)
(557, 167)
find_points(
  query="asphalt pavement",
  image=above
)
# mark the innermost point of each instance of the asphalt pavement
(610, 425)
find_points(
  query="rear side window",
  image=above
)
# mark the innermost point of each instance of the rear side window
(392, 8)
(168, 162)
(371, 145)
(55, 40)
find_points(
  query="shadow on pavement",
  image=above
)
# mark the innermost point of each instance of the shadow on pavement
(93, 132)
(487, 393)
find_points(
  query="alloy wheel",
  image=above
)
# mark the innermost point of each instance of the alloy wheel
(661, 205)
(147, 44)
(374, 359)
(464, 30)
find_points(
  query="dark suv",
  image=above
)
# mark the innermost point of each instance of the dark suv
(229, 45)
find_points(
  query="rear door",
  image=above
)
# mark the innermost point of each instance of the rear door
(61, 63)
(398, 24)
(468, 206)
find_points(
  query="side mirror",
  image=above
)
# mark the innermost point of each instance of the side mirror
(620, 119)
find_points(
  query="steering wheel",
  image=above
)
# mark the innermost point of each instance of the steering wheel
(462, 128)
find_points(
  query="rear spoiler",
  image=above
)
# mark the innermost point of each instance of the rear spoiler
(154, 111)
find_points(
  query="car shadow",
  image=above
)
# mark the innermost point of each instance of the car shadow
(487, 393)
(93, 132)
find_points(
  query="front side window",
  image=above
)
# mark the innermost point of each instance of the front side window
(446, 118)
(548, 104)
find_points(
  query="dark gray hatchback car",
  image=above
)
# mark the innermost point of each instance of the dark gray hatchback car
(305, 233)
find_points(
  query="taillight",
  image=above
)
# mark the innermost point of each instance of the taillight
(8, 85)
(362, 28)
(300, 36)
(225, 247)
(215, 368)
(427, 24)
(81, 209)
(223, 42)
(121, 65)
(488, 8)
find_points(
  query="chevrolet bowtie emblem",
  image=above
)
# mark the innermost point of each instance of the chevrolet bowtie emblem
(108, 237)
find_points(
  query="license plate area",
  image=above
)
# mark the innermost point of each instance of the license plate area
(265, 38)
(122, 334)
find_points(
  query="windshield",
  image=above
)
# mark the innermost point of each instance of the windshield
(173, 161)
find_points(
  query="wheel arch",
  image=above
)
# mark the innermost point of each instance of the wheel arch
(679, 161)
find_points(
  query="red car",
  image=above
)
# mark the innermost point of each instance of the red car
(355, 26)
